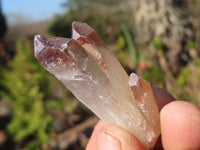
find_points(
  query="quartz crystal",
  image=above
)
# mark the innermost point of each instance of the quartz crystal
(88, 69)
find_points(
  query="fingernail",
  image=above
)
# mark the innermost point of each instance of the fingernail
(106, 141)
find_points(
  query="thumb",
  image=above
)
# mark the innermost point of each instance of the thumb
(113, 137)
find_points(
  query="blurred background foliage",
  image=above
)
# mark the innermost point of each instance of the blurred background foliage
(38, 112)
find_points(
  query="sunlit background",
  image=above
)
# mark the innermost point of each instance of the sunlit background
(27, 11)
(159, 40)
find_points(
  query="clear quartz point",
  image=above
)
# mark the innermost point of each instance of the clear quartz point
(88, 69)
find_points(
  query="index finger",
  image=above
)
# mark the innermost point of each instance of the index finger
(162, 97)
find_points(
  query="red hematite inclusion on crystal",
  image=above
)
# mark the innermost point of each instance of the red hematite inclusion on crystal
(88, 69)
(136, 93)
(135, 83)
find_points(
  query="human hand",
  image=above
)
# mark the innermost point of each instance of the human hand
(180, 128)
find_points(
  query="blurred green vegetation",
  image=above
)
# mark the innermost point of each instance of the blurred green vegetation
(22, 80)
(99, 16)
(30, 89)
(38, 99)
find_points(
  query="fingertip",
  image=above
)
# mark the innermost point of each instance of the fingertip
(162, 97)
(112, 137)
(180, 126)
(92, 144)
(123, 139)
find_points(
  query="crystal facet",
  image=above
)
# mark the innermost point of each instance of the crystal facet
(88, 69)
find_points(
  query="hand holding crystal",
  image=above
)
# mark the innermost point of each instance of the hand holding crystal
(180, 128)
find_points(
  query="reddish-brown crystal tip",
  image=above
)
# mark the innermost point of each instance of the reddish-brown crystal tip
(80, 29)
(41, 42)
(49, 50)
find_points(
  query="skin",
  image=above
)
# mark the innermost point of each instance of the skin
(180, 128)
